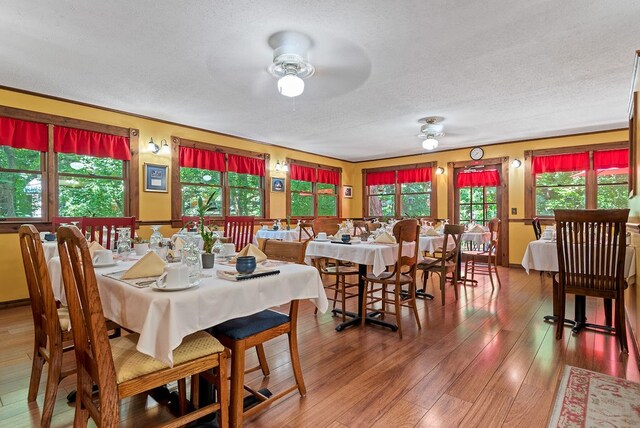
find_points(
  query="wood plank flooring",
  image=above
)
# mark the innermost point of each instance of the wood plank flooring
(486, 360)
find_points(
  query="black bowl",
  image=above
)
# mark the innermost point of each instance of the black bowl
(50, 237)
(245, 264)
(346, 238)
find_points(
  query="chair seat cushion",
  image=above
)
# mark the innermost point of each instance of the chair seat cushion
(63, 317)
(240, 328)
(388, 278)
(130, 363)
(430, 262)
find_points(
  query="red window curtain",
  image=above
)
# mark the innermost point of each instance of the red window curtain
(21, 134)
(561, 163)
(203, 159)
(89, 143)
(328, 177)
(611, 159)
(488, 178)
(417, 175)
(381, 178)
(302, 173)
(245, 165)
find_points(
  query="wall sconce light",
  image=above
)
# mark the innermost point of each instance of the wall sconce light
(439, 170)
(517, 163)
(282, 167)
(154, 148)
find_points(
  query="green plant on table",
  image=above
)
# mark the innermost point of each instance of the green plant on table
(139, 240)
(202, 210)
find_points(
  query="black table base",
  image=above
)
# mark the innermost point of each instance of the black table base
(580, 322)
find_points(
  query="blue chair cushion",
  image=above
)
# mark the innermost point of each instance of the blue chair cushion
(241, 328)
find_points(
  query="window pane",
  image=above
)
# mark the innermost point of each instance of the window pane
(202, 176)
(477, 194)
(465, 213)
(382, 206)
(416, 205)
(492, 212)
(89, 165)
(190, 199)
(243, 180)
(416, 187)
(301, 204)
(301, 186)
(550, 198)
(613, 196)
(490, 193)
(327, 205)
(385, 189)
(561, 178)
(326, 189)
(23, 159)
(99, 197)
(245, 201)
(465, 195)
(477, 212)
(20, 195)
(614, 175)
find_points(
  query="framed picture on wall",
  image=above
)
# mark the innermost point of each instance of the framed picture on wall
(347, 192)
(277, 184)
(155, 178)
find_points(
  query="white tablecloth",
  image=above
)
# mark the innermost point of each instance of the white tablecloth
(282, 235)
(163, 319)
(366, 253)
(542, 256)
(50, 250)
(478, 238)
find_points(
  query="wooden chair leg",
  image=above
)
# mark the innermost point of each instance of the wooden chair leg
(442, 286)
(295, 363)
(195, 390)
(237, 383)
(621, 331)
(365, 296)
(608, 312)
(53, 379)
(396, 302)
(495, 269)
(343, 291)
(222, 386)
(182, 396)
(454, 274)
(560, 320)
(36, 373)
(414, 304)
(262, 359)
(490, 274)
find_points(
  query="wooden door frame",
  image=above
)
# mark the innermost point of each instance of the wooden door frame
(502, 164)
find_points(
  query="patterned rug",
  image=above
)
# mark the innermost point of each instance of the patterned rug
(590, 399)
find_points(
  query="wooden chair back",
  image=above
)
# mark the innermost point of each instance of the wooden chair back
(239, 229)
(284, 251)
(452, 232)
(326, 225)
(374, 226)
(57, 221)
(537, 230)
(494, 229)
(92, 348)
(306, 231)
(360, 226)
(406, 231)
(99, 229)
(186, 219)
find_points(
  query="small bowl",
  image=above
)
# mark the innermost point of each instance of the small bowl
(50, 237)
(346, 238)
(245, 264)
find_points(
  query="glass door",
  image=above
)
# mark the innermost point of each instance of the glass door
(479, 204)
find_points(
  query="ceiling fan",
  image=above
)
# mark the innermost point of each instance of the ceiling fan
(430, 131)
(290, 63)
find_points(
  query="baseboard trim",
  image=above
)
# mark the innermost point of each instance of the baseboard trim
(14, 303)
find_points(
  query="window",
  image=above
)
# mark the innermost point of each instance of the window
(20, 183)
(583, 177)
(238, 180)
(477, 198)
(410, 185)
(313, 190)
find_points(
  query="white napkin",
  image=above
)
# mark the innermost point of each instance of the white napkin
(93, 247)
(385, 238)
(477, 229)
(431, 232)
(149, 265)
(178, 244)
(250, 250)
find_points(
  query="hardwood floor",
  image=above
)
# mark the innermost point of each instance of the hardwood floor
(486, 360)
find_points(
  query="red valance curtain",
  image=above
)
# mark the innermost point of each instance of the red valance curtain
(560, 163)
(302, 173)
(328, 177)
(489, 178)
(203, 159)
(89, 143)
(21, 134)
(381, 178)
(417, 175)
(245, 165)
(611, 159)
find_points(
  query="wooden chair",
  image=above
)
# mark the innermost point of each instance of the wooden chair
(360, 226)
(239, 229)
(243, 333)
(326, 225)
(100, 228)
(404, 231)
(57, 221)
(337, 271)
(306, 231)
(115, 366)
(51, 325)
(374, 226)
(537, 230)
(485, 261)
(591, 247)
(447, 262)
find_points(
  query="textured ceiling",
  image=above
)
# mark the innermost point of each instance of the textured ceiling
(497, 70)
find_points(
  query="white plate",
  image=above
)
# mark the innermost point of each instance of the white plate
(103, 265)
(153, 286)
(322, 240)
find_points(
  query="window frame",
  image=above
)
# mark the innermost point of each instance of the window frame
(398, 188)
(591, 177)
(49, 166)
(314, 189)
(176, 199)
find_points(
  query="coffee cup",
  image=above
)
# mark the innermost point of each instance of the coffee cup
(346, 238)
(228, 249)
(102, 257)
(175, 276)
(322, 236)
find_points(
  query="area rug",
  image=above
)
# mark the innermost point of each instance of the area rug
(589, 399)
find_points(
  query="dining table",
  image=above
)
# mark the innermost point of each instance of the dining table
(364, 254)
(280, 234)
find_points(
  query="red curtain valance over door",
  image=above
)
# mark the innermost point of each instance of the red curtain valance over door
(611, 159)
(489, 178)
(203, 159)
(417, 175)
(245, 165)
(381, 178)
(302, 173)
(21, 134)
(328, 177)
(89, 143)
(560, 163)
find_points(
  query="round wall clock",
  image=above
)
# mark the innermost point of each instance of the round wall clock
(476, 153)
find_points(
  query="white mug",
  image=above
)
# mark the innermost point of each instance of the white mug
(265, 227)
(102, 257)
(228, 249)
(322, 235)
(176, 275)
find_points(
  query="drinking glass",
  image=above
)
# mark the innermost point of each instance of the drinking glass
(191, 255)
(124, 243)
(156, 239)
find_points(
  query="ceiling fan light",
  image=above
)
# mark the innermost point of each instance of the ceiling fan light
(290, 85)
(430, 143)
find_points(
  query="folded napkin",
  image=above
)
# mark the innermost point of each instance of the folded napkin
(94, 246)
(178, 244)
(431, 232)
(149, 265)
(477, 229)
(385, 238)
(250, 250)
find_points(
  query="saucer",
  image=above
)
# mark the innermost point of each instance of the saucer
(103, 265)
(153, 286)
(322, 240)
